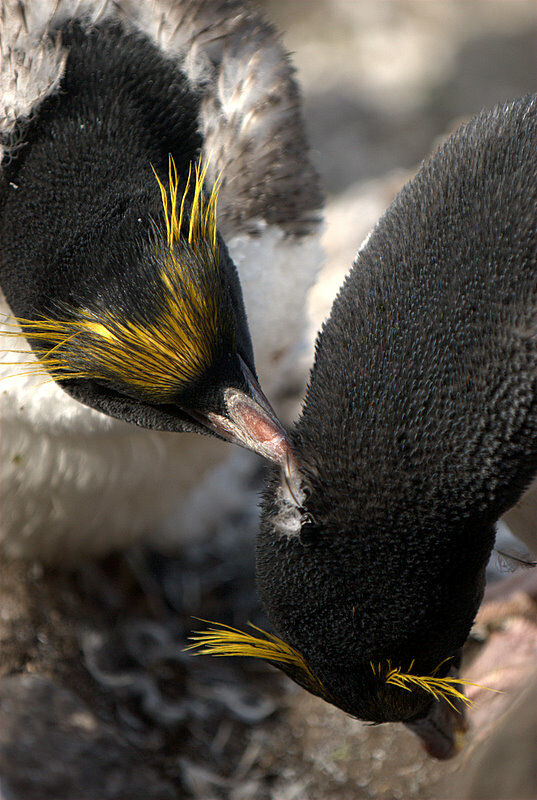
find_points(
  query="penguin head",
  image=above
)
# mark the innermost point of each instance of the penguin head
(380, 643)
(356, 624)
(159, 337)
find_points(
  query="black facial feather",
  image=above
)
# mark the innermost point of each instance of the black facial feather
(419, 428)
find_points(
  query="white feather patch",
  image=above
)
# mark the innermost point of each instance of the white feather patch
(276, 273)
(288, 520)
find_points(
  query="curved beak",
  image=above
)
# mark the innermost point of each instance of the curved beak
(249, 421)
(443, 731)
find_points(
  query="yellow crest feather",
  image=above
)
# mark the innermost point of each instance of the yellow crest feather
(202, 223)
(155, 356)
(439, 688)
(224, 640)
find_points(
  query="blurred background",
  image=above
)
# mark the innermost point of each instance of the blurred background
(383, 82)
(382, 79)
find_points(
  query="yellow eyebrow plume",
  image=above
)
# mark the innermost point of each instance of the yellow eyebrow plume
(439, 688)
(224, 640)
(156, 358)
(203, 212)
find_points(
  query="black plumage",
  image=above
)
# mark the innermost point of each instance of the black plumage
(418, 431)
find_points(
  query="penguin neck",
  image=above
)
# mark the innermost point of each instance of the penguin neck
(404, 436)
(412, 538)
(422, 402)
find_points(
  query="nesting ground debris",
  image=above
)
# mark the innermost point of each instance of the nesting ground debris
(98, 673)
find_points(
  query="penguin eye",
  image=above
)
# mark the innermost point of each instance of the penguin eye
(309, 530)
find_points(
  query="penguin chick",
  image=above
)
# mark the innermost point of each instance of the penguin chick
(418, 431)
(112, 262)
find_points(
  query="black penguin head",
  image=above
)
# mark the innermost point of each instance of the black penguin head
(162, 341)
(375, 635)
(357, 624)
